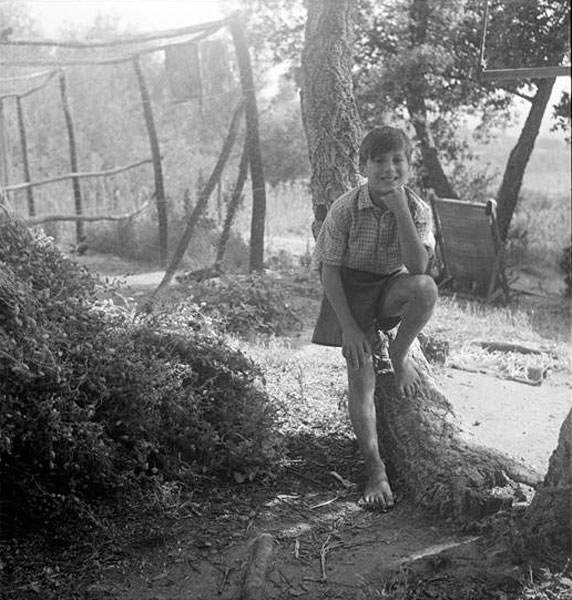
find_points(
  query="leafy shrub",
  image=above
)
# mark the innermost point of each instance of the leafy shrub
(95, 397)
(247, 304)
(138, 239)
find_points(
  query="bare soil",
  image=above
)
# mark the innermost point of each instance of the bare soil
(324, 544)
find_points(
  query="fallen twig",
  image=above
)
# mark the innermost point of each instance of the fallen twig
(323, 552)
(325, 503)
(345, 482)
(224, 580)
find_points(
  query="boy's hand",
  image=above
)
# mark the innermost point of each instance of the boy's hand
(396, 200)
(356, 347)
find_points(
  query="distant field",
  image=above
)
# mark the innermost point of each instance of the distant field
(548, 170)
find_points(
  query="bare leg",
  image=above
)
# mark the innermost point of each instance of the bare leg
(362, 414)
(413, 298)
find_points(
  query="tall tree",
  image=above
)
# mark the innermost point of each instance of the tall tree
(329, 111)
(525, 33)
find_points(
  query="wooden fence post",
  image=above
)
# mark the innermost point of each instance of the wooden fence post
(79, 226)
(202, 201)
(25, 162)
(157, 167)
(233, 204)
(4, 179)
(253, 139)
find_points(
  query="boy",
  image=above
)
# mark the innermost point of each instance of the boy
(373, 250)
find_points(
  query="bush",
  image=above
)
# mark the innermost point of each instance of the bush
(247, 305)
(96, 397)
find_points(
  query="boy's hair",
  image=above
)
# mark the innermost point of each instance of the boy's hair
(384, 139)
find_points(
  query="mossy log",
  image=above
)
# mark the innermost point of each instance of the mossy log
(444, 472)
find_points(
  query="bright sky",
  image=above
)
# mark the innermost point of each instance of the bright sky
(145, 15)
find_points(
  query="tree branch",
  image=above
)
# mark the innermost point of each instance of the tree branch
(23, 186)
(49, 218)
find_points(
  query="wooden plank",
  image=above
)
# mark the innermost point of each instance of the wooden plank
(524, 73)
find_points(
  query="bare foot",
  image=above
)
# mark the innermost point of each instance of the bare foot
(406, 377)
(377, 493)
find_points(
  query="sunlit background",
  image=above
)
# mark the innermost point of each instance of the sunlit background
(55, 16)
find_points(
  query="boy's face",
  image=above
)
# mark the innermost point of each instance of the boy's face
(387, 172)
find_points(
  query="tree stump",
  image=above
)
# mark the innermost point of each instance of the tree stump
(444, 473)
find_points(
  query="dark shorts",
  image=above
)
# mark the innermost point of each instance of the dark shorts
(365, 292)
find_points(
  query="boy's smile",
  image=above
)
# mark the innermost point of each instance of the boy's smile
(387, 172)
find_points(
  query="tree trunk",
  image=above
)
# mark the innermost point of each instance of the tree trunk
(157, 166)
(24, 151)
(433, 175)
(202, 201)
(329, 112)
(548, 528)
(79, 228)
(233, 204)
(254, 152)
(507, 196)
(425, 444)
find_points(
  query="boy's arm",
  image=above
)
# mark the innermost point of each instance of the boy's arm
(414, 254)
(355, 343)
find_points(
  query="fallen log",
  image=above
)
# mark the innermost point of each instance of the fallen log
(423, 442)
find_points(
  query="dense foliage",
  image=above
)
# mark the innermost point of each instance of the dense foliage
(247, 305)
(95, 397)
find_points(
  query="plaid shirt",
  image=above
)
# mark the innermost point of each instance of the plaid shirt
(359, 235)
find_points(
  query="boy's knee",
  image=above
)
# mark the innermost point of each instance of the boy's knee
(424, 290)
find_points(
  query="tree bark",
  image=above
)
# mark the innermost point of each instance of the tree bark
(329, 112)
(444, 472)
(548, 527)
(507, 196)
(433, 174)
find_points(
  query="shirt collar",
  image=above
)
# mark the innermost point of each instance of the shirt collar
(364, 201)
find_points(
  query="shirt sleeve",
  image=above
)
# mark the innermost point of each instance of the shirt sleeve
(423, 219)
(332, 242)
